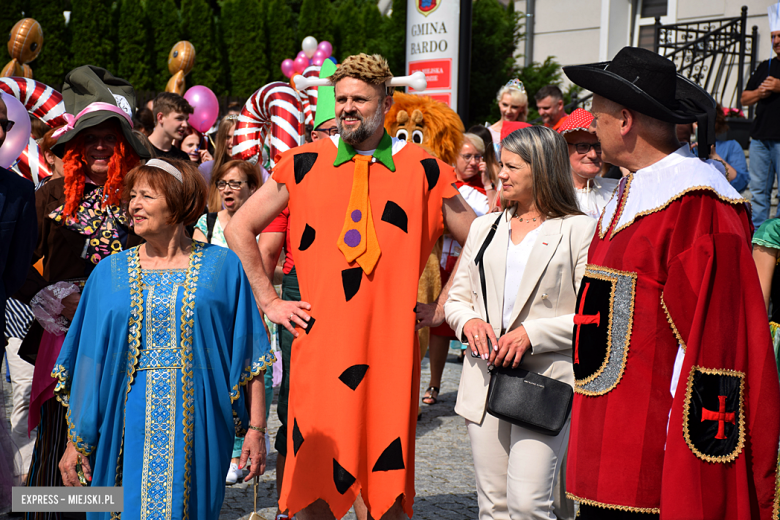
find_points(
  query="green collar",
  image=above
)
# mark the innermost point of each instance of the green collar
(383, 152)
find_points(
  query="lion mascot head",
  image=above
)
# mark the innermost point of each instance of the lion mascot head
(426, 122)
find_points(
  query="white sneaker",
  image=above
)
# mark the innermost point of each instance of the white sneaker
(233, 474)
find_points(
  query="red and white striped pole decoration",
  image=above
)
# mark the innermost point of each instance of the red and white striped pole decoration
(32, 164)
(277, 106)
(40, 100)
(309, 96)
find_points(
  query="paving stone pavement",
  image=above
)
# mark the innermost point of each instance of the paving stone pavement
(444, 475)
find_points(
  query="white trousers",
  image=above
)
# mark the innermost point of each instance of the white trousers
(21, 384)
(517, 470)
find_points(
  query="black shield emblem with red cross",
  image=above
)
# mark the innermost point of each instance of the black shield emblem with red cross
(713, 420)
(591, 327)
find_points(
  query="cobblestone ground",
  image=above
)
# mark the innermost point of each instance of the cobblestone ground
(444, 473)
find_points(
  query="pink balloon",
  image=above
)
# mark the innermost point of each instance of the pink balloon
(321, 54)
(288, 67)
(300, 64)
(302, 54)
(16, 140)
(326, 48)
(205, 105)
(318, 60)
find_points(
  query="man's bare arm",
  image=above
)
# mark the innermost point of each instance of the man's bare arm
(270, 245)
(751, 97)
(458, 217)
(241, 232)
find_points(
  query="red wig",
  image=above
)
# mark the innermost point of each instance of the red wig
(75, 168)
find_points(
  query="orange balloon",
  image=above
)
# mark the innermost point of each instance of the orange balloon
(27, 71)
(176, 84)
(26, 40)
(12, 68)
(181, 58)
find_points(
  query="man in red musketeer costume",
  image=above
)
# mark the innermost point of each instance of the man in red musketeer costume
(676, 405)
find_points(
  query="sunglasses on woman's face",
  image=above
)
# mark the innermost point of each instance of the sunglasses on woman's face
(583, 148)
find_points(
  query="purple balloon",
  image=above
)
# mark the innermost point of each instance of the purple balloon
(288, 67)
(318, 61)
(300, 64)
(205, 105)
(325, 47)
(17, 139)
(302, 54)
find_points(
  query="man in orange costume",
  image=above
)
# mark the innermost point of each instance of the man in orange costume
(366, 210)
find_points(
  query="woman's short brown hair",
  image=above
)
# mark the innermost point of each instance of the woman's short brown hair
(186, 198)
(248, 169)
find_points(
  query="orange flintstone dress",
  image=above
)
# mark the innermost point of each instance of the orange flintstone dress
(356, 377)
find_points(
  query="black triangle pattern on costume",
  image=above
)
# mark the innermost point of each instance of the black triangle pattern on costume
(395, 215)
(309, 325)
(307, 238)
(297, 437)
(302, 163)
(392, 458)
(342, 478)
(350, 279)
(431, 168)
(353, 376)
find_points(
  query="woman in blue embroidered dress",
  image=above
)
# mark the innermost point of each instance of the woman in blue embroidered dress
(163, 338)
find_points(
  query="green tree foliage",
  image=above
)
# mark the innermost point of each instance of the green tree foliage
(199, 28)
(91, 43)
(315, 19)
(395, 38)
(10, 13)
(280, 36)
(55, 58)
(246, 49)
(133, 52)
(163, 18)
(495, 33)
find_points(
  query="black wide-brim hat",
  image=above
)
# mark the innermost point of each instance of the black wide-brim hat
(89, 84)
(643, 81)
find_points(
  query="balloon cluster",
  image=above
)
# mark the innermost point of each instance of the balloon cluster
(312, 53)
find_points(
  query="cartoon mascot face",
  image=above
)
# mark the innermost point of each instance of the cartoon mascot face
(426, 122)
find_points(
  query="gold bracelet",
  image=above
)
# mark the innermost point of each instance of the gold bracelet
(257, 428)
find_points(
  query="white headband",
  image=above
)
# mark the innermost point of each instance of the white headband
(157, 163)
(417, 81)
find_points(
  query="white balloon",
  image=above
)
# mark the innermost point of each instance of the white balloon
(309, 46)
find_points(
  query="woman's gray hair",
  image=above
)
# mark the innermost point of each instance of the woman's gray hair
(547, 154)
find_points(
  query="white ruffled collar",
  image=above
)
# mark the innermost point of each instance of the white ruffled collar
(653, 188)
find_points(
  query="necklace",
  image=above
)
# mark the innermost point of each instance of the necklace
(521, 219)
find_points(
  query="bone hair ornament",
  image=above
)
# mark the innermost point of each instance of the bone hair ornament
(416, 80)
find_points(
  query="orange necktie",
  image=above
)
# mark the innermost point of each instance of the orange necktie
(358, 239)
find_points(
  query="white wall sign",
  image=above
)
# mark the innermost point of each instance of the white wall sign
(432, 46)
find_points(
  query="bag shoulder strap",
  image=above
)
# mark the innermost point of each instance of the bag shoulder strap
(211, 221)
(479, 260)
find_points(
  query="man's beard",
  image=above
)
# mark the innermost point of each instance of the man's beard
(366, 128)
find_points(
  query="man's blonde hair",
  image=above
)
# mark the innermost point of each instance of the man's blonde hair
(371, 69)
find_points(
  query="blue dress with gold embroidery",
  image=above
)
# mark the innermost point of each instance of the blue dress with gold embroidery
(151, 370)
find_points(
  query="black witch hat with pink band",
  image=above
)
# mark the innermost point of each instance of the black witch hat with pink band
(93, 95)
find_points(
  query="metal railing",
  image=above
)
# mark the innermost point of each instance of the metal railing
(719, 55)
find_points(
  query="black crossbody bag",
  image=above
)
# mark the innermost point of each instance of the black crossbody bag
(516, 395)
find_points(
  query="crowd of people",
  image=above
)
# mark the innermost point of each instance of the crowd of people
(605, 258)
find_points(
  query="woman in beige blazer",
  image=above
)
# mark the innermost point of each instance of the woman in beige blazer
(533, 267)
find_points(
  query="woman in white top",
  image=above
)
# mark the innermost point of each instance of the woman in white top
(235, 181)
(533, 267)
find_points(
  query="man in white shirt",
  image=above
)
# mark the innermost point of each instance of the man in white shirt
(593, 191)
